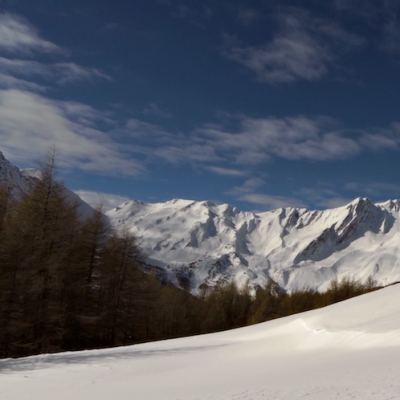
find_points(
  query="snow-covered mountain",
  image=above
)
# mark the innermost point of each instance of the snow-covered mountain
(349, 350)
(202, 242)
(19, 181)
(191, 243)
(11, 176)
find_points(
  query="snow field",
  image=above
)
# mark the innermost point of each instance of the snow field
(350, 350)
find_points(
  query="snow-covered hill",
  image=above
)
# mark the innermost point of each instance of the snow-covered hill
(202, 242)
(350, 350)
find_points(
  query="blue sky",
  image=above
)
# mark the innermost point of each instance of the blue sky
(257, 104)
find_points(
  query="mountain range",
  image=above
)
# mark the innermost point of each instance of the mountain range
(194, 243)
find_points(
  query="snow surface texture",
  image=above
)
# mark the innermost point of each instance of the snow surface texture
(201, 242)
(350, 350)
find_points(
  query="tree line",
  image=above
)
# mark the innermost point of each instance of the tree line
(72, 284)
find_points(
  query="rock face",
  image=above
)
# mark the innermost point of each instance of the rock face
(201, 242)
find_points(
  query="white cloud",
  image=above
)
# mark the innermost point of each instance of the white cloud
(140, 129)
(30, 123)
(20, 67)
(58, 73)
(10, 82)
(293, 138)
(272, 202)
(107, 200)
(191, 152)
(304, 48)
(248, 186)
(254, 141)
(322, 196)
(18, 36)
(226, 171)
(71, 72)
(380, 140)
(334, 202)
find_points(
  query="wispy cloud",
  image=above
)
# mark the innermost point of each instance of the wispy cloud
(154, 110)
(18, 36)
(380, 15)
(19, 40)
(320, 196)
(226, 171)
(323, 196)
(192, 152)
(272, 202)
(248, 15)
(304, 48)
(31, 123)
(376, 189)
(11, 82)
(249, 186)
(253, 141)
(71, 72)
(107, 200)
(60, 73)
(145, 130)
(296, 138)
(195, 13)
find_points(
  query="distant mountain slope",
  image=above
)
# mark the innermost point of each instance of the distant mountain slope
(11, 176)
(201, 242)
(19, 181)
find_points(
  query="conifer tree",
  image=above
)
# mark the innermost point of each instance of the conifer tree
(120, 273)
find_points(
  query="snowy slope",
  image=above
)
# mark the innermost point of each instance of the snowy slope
(205, 242)
(350, 350)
